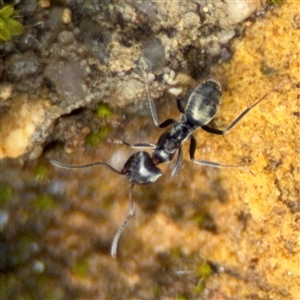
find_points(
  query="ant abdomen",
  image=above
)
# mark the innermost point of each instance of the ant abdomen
(203, 103)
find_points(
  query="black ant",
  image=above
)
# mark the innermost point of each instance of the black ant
(141, 168)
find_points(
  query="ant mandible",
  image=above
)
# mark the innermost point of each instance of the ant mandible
(141, 168)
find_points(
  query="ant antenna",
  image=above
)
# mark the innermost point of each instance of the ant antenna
(150, 100)
(254, 104)
(66, 166)
(114, 245)
(153, 107)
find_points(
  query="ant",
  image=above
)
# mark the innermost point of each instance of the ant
(141, 168)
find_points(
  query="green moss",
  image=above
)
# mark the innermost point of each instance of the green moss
(95, 138)
(204, 271)
(34, 287)
(203, 220)
(6, 194)
(199, 288)
(181, 297)
(8, 25)
(157, 291)
(41, 172)
(27, 238)
(45, 202)
(200, 218)
(103, 111)
(81, 267)
(175, 253)
(8, 282)
(275, 2)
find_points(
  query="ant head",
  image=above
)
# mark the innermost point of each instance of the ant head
(140, 169)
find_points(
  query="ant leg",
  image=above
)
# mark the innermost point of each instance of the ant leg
(153, 107)
(134, 146)
(178, 163)
(114, 245)
(210, 163)
(66, 166)
(240, 117)
(179, 105)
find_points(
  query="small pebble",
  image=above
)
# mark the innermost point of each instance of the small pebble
(66, 16)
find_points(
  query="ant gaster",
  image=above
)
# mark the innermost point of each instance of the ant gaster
(141, 168)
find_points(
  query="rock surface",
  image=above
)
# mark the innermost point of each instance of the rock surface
(80, 54)
(204, 234)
